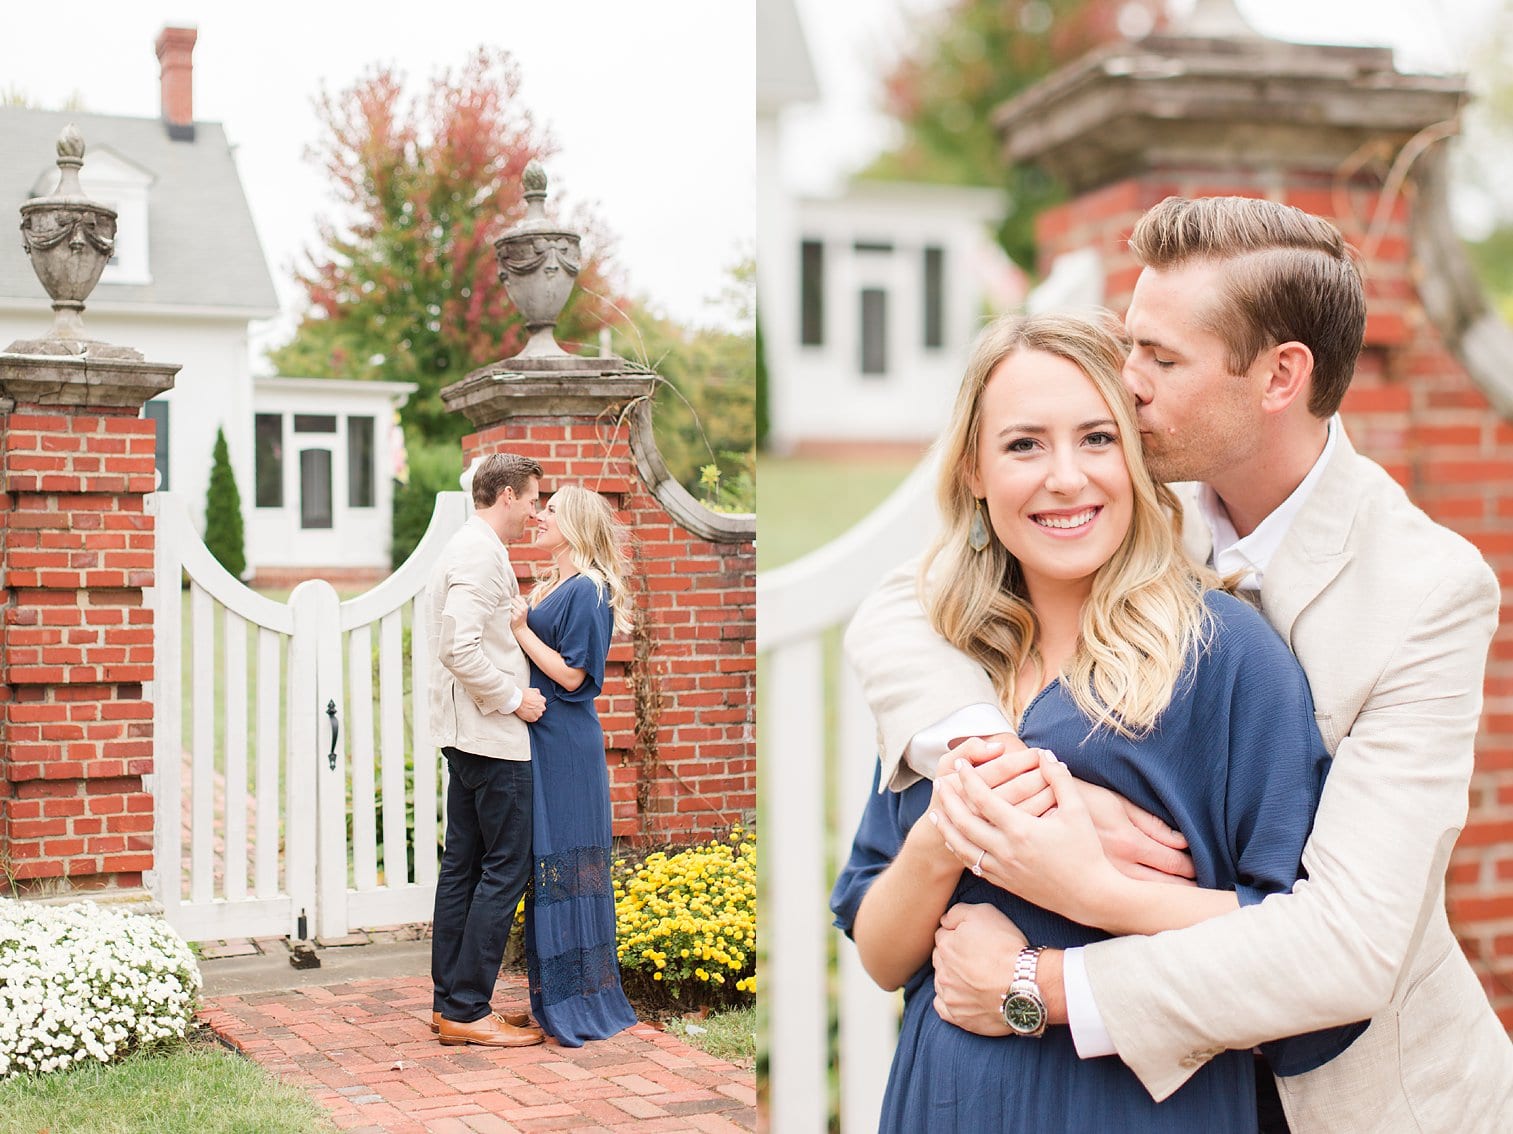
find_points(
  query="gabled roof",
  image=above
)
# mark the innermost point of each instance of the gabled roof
(203, 250)
(784, 70)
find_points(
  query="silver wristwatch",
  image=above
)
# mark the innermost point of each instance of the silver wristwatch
(1023, 1007)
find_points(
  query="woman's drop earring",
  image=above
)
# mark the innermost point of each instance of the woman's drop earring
(977, 535)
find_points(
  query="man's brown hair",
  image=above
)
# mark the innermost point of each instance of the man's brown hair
(1289, 276)
(499, 471)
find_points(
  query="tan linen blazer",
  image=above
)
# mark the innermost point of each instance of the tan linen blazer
(1391, 616)
(477, 666)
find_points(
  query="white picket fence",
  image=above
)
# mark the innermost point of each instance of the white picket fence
(796, 605)
(281, 747)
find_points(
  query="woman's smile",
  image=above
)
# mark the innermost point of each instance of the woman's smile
(1068, 524)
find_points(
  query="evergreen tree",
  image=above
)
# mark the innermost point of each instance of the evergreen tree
(223, 512)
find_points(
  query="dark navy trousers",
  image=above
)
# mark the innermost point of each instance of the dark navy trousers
(484, 870)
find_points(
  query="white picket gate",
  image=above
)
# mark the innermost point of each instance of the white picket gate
(796, 605)
(283, 772)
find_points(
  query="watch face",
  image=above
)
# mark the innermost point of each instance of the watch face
(1024, 1013)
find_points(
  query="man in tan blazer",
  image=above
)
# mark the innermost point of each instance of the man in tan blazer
(480, 704)
(1245, 325)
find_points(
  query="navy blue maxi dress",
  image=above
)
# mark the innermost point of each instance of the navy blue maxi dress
(1237, 765)
(570, 907)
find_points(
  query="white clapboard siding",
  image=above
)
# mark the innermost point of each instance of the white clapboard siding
(796, 605)
(277, 860)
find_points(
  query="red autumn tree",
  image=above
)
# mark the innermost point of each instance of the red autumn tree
(405, 284)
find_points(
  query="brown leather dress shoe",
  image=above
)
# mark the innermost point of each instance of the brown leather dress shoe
(491, 1031)
(514, 1019)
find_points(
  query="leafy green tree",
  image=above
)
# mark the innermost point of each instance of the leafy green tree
(223, 512)
(405, 286)
(704, 411)
(435, 466)
(975, 56)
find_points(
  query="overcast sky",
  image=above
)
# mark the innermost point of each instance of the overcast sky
(651, 105)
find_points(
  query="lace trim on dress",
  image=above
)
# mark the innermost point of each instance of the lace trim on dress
(578, 873)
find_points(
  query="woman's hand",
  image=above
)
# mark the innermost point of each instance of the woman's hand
(1012, 770)
(1055, 861)
(519, 609)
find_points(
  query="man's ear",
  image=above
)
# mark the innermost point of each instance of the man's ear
(1289, 375)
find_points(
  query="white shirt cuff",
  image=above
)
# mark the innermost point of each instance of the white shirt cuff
(514, 702)
(1089, 1035)
(930, 744)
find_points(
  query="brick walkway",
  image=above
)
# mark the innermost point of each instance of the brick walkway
(365, 1051)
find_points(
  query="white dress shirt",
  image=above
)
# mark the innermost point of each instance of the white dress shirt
(1231, 553)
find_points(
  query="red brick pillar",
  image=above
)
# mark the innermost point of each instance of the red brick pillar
(76, 554)
(679, 697)
(1129, 125)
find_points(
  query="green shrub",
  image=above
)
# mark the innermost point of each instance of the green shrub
(223, 512)
(434, 467)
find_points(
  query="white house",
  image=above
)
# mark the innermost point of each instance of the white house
(868, 297)
(187, 279)
(325, 455)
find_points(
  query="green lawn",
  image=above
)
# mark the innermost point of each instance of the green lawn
(191, 1088)
(806, 503)
(725, 1035)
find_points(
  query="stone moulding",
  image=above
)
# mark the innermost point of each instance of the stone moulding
(717, 527)
(539, 388)
(1452, 294)
(31, 373)
(511, 388)
(1173, 100)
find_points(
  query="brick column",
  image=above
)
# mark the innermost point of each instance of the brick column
(679, 697)
(1324, 128)
(76, 554)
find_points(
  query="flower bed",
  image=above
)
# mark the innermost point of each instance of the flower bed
(82, 982)
(687, 924)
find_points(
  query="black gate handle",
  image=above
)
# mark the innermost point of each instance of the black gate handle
(335, 729)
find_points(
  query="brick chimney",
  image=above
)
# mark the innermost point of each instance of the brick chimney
(176, 57)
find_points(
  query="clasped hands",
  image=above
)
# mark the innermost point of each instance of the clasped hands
(1018, 818)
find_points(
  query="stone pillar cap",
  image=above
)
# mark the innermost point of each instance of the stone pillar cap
(1217, 102)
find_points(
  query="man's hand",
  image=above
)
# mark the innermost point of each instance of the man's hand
(531, 706)
(1135, 841)
(975, 948)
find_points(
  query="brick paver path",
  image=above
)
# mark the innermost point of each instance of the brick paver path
(365, 1051)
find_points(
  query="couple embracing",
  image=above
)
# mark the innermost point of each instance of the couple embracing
(1170, 777)
(513, 683)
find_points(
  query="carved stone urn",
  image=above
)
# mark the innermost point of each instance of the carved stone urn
(538, 264)
(69, 238)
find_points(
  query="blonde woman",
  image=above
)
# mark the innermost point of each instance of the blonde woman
(565, 630)
(1059, 570)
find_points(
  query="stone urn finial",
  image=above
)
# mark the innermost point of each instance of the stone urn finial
(538, 262)
(69, 239)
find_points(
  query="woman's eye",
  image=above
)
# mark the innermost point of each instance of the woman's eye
(1020, 445)
(1102, 437)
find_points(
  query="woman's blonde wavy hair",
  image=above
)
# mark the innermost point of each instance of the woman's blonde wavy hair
(597, 541)
(1145, 617)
